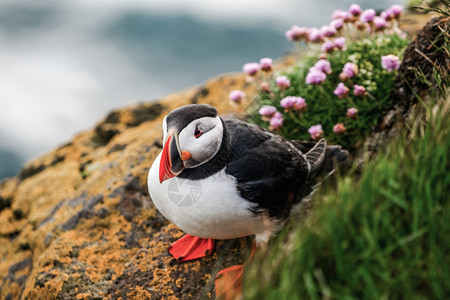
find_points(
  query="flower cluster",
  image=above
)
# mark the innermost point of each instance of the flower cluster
(329, 35)
(276, 122)
(333, 45)
(290, 103)
(259, 73)
(252, 68)
(315, 76)
(323, 66)
(345, 73)
(392, 13)
(296, 33)
(270, 113)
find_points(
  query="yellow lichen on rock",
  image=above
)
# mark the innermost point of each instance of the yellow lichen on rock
(78, 222)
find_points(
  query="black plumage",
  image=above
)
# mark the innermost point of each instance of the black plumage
(182, 116)
(269, 169)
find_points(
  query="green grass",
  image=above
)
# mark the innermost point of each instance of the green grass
(384, 236)
(380, 232)
(324, 107)
(440, 6)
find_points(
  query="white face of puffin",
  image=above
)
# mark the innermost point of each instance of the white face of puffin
(196, 144)
(202, 139)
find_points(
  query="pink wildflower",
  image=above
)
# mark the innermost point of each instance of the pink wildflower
(276, 122)
(367, 16)
(355, 10)
(323, 65)
(337, 14)
(296, 33)
(314, 35)
(300, 104)
(350, 69)
(380, 23)
(339, 128)
(341, 91)
(292, 102)
(315, 76)
(287, 102)
(387, 15)
(267, 110)
(328, 46)
(283, 82)
(390, 62)
(359, 90)
(337, 24)
(396, 10)
(315, 131)
(346, 16)
(352, 112)
(340, 43)
(251, 68)
(236, 96)
(328, 31)
(266, 64)
(264, 87)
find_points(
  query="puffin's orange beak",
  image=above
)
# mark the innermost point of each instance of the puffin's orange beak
(171, 163)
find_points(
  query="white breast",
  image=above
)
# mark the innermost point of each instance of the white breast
(206, 208)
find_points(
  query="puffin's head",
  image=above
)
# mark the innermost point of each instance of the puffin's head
(192, 136)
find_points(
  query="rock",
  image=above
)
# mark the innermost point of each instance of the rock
(119, 120)
(7, 189)
(407, 86)
(421, 56)
(17, 276)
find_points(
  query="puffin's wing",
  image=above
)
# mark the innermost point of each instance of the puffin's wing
(268, 168)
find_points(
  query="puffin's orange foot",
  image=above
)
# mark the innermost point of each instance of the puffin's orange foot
(229, 283)
(191, 247)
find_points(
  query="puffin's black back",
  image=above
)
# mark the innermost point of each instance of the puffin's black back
(268, 168)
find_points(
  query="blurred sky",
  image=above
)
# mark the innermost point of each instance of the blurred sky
(65, 64)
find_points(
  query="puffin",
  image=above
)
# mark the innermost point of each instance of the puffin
(227, 179)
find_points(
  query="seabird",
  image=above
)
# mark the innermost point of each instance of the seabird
(224, 179)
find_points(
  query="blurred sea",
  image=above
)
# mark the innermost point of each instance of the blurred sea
(65, 64)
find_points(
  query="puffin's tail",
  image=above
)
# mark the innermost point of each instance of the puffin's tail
(316, 156)
(323, 159)
(319, 159)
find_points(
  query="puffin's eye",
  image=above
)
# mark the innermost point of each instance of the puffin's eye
(197, 133)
